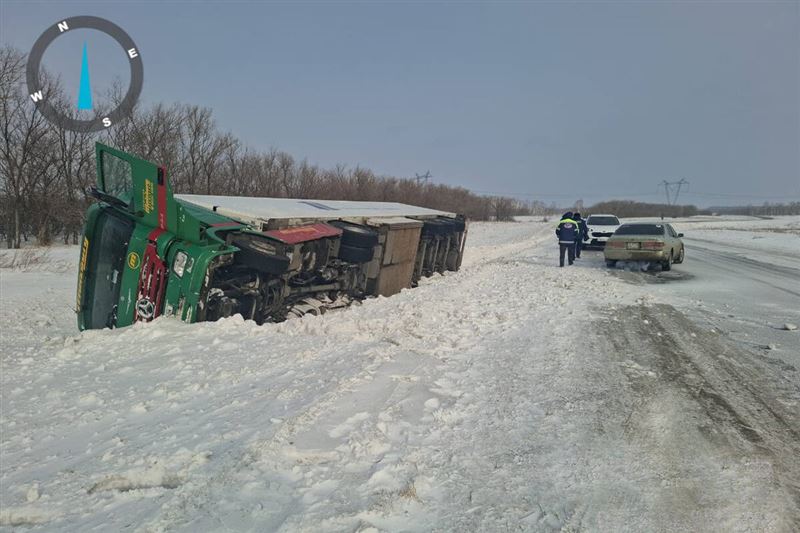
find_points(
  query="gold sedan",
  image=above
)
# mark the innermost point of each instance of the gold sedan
(657, 243)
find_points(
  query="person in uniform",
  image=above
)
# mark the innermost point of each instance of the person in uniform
(567, 232)
(583, 231)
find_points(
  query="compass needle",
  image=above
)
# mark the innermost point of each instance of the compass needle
(70, 120)
(85, 92)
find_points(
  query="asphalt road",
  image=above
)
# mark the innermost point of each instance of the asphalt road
(727, 373)
(745, 297)
(718, 421)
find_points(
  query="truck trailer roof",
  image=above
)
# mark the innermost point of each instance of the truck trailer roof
(263, 210)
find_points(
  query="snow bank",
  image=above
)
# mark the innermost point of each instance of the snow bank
(472, 402)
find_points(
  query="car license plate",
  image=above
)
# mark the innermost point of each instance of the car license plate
(633, 245)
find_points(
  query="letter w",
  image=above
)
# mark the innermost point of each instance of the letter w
(36, 96)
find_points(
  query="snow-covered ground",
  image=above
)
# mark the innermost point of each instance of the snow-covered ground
(512, 395)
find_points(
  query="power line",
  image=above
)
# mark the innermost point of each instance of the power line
(673, 189)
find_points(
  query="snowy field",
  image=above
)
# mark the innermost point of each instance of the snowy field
(510, 396)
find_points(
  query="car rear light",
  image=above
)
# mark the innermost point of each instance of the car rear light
(615, 244)
(653, 245)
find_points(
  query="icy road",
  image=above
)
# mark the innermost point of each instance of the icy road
(510, 396)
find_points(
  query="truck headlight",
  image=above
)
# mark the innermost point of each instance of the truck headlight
(179, 264)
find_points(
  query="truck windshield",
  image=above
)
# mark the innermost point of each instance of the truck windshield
(640, 229)
(104, 271)
(602, 221)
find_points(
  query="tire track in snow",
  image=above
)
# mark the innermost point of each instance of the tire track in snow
(695, 392)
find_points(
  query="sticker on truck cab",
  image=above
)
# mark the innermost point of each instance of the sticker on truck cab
(82, 271)
(148, 197)
(133, 260)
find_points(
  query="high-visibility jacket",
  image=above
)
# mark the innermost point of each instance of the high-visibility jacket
(567, 231)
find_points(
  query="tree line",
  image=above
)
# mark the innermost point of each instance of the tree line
(766, 209)
(627, 208)
(45, 170)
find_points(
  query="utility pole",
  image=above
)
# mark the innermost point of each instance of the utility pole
(673, 189)
(424, 178)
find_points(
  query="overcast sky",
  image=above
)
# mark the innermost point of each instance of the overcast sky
(555, 101)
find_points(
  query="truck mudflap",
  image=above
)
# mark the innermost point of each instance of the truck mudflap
(152, 281)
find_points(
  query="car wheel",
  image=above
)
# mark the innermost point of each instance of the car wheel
(667, 265)
(680, 255)
(611, 263)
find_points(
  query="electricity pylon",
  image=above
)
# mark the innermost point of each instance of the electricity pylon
(672, 189)
(424, 178)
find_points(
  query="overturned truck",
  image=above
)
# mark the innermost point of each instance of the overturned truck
(146, 252)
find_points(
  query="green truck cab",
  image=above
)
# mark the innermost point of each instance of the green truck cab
(146, 253)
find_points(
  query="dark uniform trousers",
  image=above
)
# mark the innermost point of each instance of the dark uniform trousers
(568, 248)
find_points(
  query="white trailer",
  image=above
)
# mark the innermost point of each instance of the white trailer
(412, 241)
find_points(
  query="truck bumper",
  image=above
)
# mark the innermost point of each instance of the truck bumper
(621, 254)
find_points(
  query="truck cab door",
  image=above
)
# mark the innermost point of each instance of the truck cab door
(137, 185)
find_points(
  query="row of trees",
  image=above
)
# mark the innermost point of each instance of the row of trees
(766, 209)
(45, 170)
(627, 208)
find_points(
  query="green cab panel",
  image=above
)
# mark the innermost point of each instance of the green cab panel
(140, 184)
(131, 242)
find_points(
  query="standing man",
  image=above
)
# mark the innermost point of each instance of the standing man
(583, 234)
(567, 233)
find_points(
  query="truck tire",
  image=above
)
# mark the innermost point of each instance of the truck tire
(451, 225)
(252, 257)
(356, 236)
(435, 227)
(611, 263)
(354, 254)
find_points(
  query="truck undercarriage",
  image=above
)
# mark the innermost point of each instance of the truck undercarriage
(269, 280)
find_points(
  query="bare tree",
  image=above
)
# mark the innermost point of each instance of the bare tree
(286, 173)
(24, 132)
(74, 164)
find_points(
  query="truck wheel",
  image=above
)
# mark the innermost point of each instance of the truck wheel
(667, 265)
(611, 263)
(353, 254)
(356, 236)
(435, 227)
